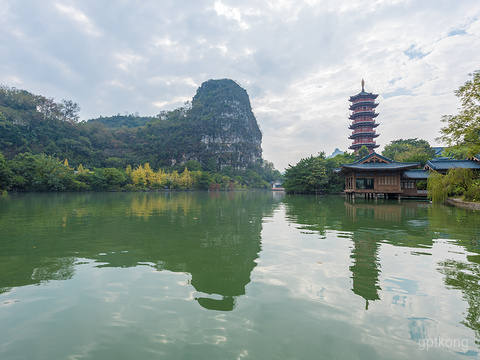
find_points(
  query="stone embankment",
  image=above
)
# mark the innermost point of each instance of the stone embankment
(463, 204)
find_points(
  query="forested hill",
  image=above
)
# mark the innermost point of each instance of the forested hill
(217, 129)
(128, 120)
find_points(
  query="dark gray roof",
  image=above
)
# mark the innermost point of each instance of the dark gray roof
(363, 93)
(445, 164)
(438, 150)
(416, 174)
(380, 166)
(374, 154)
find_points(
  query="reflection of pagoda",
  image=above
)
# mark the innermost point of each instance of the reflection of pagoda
(365, 269)
(363, 120)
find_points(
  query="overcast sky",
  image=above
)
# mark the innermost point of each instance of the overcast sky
(298, 60)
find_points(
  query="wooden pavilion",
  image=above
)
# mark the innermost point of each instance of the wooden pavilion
(376, 175)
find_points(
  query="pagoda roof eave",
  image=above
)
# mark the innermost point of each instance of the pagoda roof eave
(366, 134)
(368, 145)
(363, 103)
(363, 123)
(364, 95)
(363, 113)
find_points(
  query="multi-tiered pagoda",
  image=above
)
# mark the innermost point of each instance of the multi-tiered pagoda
(363, 120)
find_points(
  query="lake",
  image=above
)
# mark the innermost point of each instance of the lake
(236, 275)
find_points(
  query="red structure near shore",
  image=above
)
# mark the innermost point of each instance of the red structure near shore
(363, 120)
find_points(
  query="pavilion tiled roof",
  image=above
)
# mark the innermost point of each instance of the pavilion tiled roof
(445, 164)
(381, 166)
(387, 164)
(416, 174)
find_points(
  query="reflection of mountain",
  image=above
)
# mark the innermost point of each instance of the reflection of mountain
(213, 236)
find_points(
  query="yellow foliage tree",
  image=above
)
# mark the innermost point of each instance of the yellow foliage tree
(185, 181)
(82, 170)
(138, 176)
(129, 170)
(161, 177)
(149, 175)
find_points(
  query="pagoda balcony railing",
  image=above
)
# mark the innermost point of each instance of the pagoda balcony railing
(366, 122)
(369, 109)
(364, 130)
(366, 119)
(364, 142)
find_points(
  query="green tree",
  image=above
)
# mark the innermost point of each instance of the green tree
(457, 182)
(41, 173)
(409, 150)
(363, 151)
(308, 176)
(6, 175)
(69, 111)
(193, 165)
(316, 174)
(114, 178)
(204, 181)
(437, 187)
(462, 131)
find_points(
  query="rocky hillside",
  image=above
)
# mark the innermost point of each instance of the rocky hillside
(227, 127)
(217, 129)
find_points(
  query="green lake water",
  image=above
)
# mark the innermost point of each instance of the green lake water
(236, 275)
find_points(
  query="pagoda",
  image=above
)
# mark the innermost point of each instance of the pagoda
(363, 120)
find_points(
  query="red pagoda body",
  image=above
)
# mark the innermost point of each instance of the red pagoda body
(363, 120)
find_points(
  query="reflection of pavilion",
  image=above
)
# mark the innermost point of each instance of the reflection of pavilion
(366, 267)
(381, 212)
(375, 222)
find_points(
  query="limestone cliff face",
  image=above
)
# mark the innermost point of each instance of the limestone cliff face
(224, 121)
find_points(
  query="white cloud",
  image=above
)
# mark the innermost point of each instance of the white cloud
(298, 60)
(79, 17)
(231, 14)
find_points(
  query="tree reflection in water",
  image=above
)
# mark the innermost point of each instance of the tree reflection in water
(214, 236)
(409, 224)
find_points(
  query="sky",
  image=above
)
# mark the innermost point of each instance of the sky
(299, 61)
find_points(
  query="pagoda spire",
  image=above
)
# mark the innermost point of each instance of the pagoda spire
(363, 120)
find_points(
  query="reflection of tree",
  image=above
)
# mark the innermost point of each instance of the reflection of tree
(466, 277)
(399, 224)
(369, 224)
(213, 236)
(30, 269)
(315, 213)
(454, 223)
